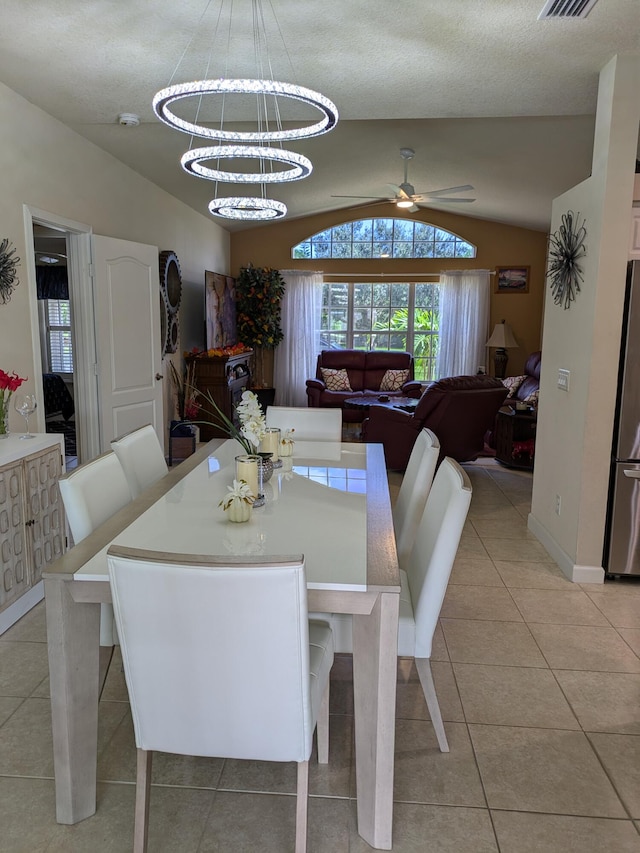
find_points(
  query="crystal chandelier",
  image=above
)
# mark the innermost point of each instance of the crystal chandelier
(219, 102)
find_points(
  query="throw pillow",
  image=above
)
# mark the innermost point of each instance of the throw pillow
(513, 383)
(393, 380)
(336, 380)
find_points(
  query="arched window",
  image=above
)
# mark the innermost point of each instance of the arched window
(384, 238)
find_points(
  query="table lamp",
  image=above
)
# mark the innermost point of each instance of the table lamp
(502, 338)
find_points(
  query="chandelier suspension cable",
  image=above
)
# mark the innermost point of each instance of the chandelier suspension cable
(283, 165)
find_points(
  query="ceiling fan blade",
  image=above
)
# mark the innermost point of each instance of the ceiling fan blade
(399, 191)
(437, 200)
(413, 209)
(448, 190)
(373, 197)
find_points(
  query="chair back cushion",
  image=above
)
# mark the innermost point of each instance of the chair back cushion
(352, 360)
(379, 361)
(93, 493)
(460, 410)
(416, 483)
(141, 457)
(309, 424)
(434, 551)
(215, 653)
(531, 383)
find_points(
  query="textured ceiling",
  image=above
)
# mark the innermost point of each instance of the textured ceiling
(484, 92)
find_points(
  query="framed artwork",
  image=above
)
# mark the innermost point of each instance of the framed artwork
(512, 280)
(220, 310)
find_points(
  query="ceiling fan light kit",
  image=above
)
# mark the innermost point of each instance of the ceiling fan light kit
(236, 147)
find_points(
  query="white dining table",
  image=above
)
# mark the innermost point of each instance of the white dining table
(330, 502)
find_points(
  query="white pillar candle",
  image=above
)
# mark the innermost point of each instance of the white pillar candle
(271, 442)
(247, 470)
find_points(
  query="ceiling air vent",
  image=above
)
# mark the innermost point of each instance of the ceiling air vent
(566, 9)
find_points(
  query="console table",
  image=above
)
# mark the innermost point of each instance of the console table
(224, 377)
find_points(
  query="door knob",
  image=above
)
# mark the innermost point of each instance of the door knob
(159, 376)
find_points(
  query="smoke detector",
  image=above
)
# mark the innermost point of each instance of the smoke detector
(129, 119)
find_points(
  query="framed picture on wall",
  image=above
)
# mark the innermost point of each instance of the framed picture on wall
(220, 310)
(512, 280)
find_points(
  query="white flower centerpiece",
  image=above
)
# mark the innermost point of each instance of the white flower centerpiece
(250, 415)
(248, 434)
(239, 502)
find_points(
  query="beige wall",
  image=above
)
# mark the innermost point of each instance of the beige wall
(573, 446)
(47, 166)
(498, 245)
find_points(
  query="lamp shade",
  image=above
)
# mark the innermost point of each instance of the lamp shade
(502, 337)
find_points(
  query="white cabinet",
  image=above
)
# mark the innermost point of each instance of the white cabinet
(32, 523)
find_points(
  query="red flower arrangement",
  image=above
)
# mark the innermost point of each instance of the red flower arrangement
(9, 382)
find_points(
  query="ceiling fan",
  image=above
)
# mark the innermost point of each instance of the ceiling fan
(406, 197)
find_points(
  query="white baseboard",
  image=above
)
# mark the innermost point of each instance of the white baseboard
(575, 573)
(23, 605)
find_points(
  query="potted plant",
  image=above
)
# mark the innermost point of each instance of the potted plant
(183, 433)
(259, 292)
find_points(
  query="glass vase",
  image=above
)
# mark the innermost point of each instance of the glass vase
(4, 421)
(266, 465)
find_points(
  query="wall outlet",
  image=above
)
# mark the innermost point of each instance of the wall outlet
(558, 504)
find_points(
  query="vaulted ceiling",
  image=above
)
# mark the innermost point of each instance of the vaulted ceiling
(484, 92)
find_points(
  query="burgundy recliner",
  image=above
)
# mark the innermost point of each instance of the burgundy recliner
(458, 409)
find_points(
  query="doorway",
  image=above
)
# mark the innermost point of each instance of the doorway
(63, 333)
(56, 340)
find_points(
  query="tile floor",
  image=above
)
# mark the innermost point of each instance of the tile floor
(539, 685)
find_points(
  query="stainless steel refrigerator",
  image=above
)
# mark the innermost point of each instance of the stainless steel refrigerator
(622, 544)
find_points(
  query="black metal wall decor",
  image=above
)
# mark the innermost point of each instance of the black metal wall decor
(566, 249)
(8, 270)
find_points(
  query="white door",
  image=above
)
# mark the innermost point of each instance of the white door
(127, 311)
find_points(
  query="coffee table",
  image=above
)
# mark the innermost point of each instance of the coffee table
(408, 404)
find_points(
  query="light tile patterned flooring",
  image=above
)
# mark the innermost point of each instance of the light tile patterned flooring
(539, 684)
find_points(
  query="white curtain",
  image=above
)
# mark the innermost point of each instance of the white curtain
(464, 322)
(296, 356)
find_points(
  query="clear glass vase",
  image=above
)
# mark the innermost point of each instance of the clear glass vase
(4, 420)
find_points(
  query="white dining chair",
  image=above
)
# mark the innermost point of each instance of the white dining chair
(424, 578)
(91, 494)
(309, 424)
(220, 659)
(414, 490)
(141, 457)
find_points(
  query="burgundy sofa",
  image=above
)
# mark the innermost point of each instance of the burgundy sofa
(365, 370)
(458, 409)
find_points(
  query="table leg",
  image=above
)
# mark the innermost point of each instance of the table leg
(375, 663)
(73, 633)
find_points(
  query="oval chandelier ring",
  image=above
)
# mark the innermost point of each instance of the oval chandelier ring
(165, 97)
(246, 207)
(192, 161)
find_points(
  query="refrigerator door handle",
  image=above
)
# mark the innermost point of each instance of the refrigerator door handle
(634, 473)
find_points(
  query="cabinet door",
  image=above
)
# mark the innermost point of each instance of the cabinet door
(13, 546)
(45, 515)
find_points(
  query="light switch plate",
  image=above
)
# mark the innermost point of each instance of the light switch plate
(563, 379)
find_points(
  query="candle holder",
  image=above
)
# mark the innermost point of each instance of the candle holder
(271, 444)
(247, 469)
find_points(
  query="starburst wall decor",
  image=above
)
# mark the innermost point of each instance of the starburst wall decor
(566, 249)
(8, 266)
